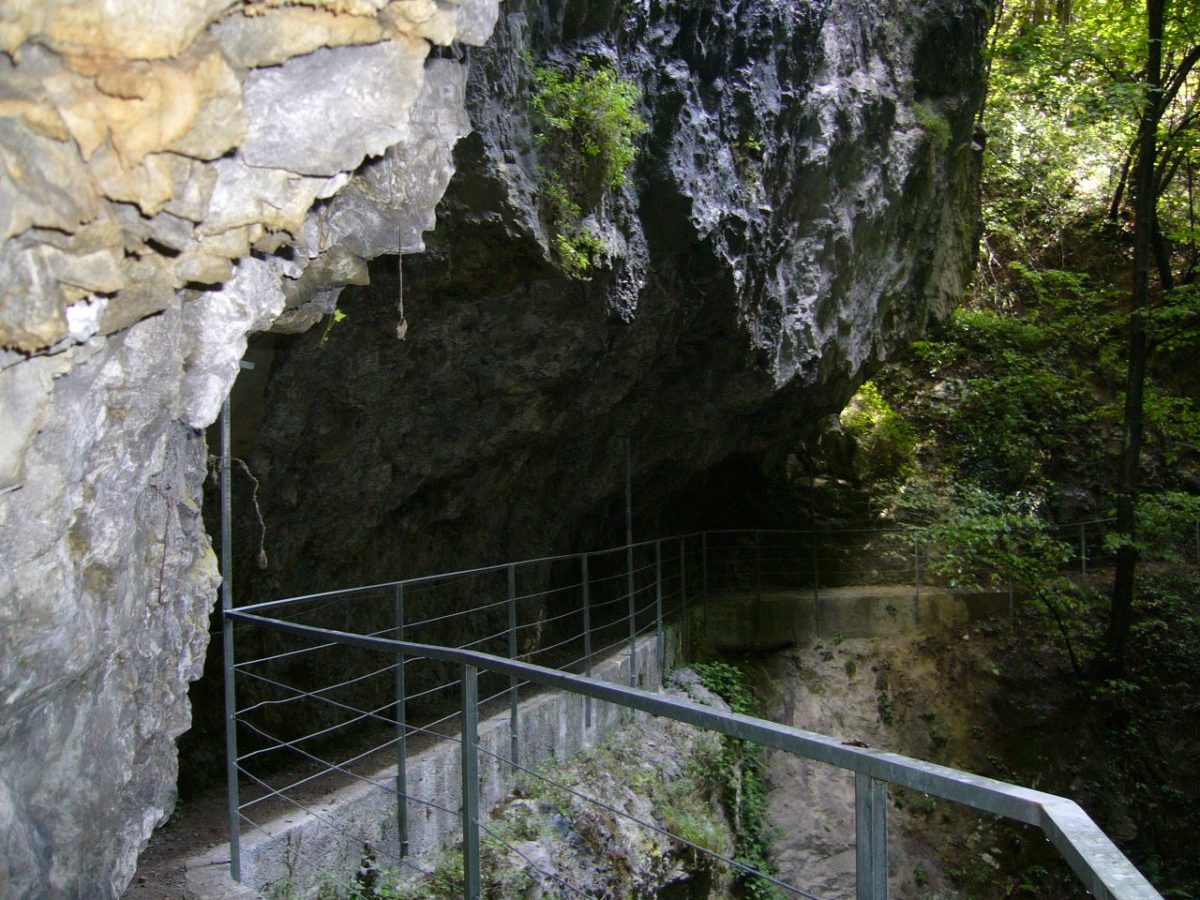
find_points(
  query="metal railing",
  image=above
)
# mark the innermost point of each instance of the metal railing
(568, 611)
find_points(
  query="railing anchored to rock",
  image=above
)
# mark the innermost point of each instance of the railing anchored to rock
(649, 582)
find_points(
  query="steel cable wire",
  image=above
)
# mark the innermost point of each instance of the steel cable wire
(551, 875)
(341, 769)
(361, 714)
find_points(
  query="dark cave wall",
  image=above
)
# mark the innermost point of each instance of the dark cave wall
(735, 309)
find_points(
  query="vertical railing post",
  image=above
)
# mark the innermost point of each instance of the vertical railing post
(758, 565)
(629, 561)
(470, 783)
(917, 566)
(684, 599)
(632, 618)
(870, 835)
(660, 642)
(231, 761)
(816, 567)
(587, 637)
(916, 579)
(401, 732)
(514, 699)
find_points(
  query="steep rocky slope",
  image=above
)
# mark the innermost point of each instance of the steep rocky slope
(803, 200)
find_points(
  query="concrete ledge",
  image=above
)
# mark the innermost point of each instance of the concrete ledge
(746, 621)
(304, 845)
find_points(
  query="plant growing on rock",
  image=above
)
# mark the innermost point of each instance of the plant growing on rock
(935, 125)
(589, 123)
(742, 768)
(886, 442)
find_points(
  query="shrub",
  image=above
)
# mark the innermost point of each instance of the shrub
(886, 443)
(589, 123)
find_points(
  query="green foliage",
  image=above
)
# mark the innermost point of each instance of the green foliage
(335, 318)
(1175, 324)
(742, 766)
(971, 537)
(595, 112)
(589, 125)
(1018, 407)
(578, 248)
(1144, 756)
(935, 125)
(687, 816)
(1057, 122)
(1019, 398)
(729, 683)
(1167, 527)
(886, 443)
(1173, 422)
(748, 148)
(579, 252)
(974, 538)
(1065, 95)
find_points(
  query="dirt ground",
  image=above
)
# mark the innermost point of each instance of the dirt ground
(195, 825)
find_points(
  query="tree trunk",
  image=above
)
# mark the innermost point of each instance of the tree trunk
(1121, 613)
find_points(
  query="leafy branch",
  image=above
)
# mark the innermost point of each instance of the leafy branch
(589, 123)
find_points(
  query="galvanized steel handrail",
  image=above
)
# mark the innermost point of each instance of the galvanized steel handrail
(1102, 867)
(461, 573)
(560, 557)
(1078, 839)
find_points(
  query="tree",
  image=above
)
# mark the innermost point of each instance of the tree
(1154, 172)
(1115, 89)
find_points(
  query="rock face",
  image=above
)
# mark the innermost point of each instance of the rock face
(802, 202)
(655, 772)
(154, 164)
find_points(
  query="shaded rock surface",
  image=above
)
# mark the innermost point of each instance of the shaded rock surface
(882, 692)
(788, 221)
(174, 182)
